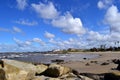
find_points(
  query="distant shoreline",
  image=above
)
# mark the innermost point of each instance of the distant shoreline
(68, 52)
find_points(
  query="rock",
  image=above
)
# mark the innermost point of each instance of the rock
(52, 79)
(16, 70)
(94, 62)
(84, 58)
(87, 64)
(55, 70)
(117, 61)
(93, 76)
(39, 78)
(40, 69)
(112, 76)
(85, 78)
(105, 63)
(69, 75)
(2, 74)
(71, 79)
(1, 64)
(57, 61)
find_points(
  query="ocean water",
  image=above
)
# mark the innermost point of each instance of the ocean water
(46, 58)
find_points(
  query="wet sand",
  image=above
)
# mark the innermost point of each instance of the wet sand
(100, 65)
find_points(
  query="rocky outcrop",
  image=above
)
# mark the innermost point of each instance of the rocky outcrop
(40, 69)
(16, 70)
(112, 76)
(55, 70)
(2, 74)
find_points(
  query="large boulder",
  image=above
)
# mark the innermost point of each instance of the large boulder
(40, 68)
(55, 70)
(112, 76)
(2, 74)
(16, 70)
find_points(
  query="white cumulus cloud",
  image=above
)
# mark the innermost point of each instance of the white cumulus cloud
(38, 40)
(103, 4)
(49, 35)
(16, 29)
(21, 4)
(96, 36)
(112, 18)
(69, 24)
(46, 11)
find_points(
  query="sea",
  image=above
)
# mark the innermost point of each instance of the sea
(46, 58)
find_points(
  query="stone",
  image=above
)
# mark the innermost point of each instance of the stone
(55, 70)
(105, 63)
(112, 76)
(52, 79)
(117, 61)
(2, 74)
(16, 70)
(42, 77)
(57, 61)
(40, 69)
(85, 78)
(93, 76)
(69, 75)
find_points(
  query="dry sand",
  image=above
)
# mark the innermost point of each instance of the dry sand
(94, 65)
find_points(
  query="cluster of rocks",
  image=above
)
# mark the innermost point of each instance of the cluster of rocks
(16, 70)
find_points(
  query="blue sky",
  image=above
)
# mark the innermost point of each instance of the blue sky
(42, 25)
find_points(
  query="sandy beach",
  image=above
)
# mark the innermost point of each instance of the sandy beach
(100, 65)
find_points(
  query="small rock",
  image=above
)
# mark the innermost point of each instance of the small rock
(105, 63)
(87, 64)
(57, 61)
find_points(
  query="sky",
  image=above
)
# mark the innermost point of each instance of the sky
(44, 25)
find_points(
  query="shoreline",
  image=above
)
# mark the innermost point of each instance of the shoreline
(100, 65)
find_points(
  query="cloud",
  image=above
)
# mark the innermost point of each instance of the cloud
(13, 30)
(38, 40)
(5, 30)
(21, 4)
(96, 36)
(103, 4)
(69, 43)
(46, 11)
(69, 24)
(29, 45)
(112, 18)
(26, 22)
(49, 35)
(17, 30)
(21, 43)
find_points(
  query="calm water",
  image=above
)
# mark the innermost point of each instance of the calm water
(46, 58)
